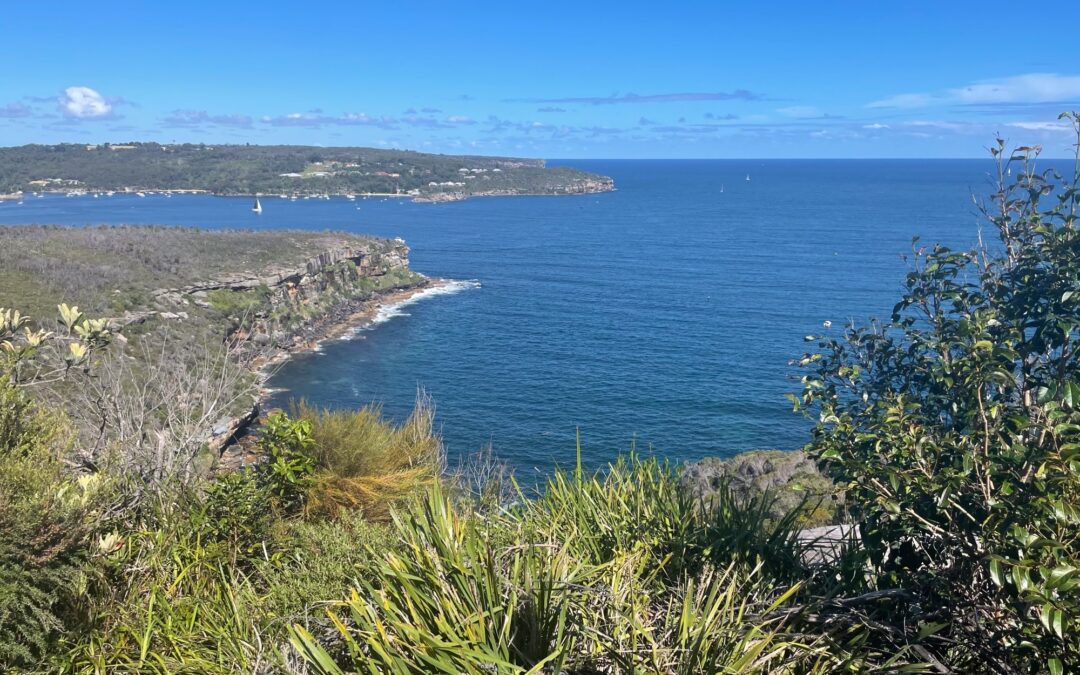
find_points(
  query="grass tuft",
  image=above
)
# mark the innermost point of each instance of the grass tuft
(368, 463)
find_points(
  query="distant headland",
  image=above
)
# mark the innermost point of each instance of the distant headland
(285, 170)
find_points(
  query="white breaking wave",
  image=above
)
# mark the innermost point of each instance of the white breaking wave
(390, 310)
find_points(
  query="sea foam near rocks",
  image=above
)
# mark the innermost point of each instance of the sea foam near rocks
(393, 309)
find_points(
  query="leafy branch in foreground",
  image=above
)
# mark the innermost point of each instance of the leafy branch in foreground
(35, 357)
(955, 430)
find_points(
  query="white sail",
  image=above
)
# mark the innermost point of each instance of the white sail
(258, 207)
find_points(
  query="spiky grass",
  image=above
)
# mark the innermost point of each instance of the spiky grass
(614, 572)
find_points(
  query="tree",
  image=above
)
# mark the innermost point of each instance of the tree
(955, 430)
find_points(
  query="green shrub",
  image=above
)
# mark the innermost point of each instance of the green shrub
(44, 525)
(790, 478)
(238, 509)
(287, 444)
(638, 505)
(239, 304)
(316, 562)
(955, 429)
(174, 604)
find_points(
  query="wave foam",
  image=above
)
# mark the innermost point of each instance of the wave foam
(390, 310)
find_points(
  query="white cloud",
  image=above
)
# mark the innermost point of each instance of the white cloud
(1029, 88)
(1043, 126)
(956, 127)
(84, 103)
(875, 126)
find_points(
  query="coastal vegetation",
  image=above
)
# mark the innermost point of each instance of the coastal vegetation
(281, 169)
(946, 440)
(188, 307)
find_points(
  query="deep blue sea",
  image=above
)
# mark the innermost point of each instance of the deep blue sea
(664, 313)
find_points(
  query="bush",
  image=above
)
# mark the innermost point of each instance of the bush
(366, 462)
(315, 563)
(238, 509)
(287, 444)
(171, 600)
(955, 428)
(609, 573)
(44, 524)
(241, 305)
(790, 478)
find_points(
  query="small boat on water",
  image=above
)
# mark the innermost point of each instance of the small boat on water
(258, 207)
(747, 178)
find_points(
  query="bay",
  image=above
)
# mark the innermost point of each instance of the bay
(664, 314)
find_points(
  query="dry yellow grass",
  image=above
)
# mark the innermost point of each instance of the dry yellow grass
(367, 462)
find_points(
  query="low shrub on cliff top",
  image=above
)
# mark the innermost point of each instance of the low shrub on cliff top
(366, 462)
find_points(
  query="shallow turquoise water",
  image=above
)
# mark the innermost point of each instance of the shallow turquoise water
(665, 312)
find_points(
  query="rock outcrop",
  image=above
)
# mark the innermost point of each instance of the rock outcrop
(377, 258)
(789, 477)
(276, 311)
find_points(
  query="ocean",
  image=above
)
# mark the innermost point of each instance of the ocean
(663, 315)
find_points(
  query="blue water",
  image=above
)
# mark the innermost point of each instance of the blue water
(664, 313)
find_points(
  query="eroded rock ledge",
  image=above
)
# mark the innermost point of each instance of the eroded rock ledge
(278, 311)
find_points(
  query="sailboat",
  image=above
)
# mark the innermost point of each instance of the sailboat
(721, 188)
(747, 178)
(258, 207)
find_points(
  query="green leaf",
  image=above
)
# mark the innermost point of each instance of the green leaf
(996, 572)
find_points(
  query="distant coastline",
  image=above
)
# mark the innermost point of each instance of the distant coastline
(291, 171)
(440, 198)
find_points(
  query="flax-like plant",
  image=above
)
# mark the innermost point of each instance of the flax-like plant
(181, 610)
(581, 580)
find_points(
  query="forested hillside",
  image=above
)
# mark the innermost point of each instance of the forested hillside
(281, 169)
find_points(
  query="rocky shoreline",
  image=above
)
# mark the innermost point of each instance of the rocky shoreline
(343, 318)
(235, 441)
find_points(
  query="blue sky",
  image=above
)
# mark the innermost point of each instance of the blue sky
(552, 79)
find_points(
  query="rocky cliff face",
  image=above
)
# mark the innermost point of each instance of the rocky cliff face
(344, 264)
(273, 313)
(281, 309)
(275, 304)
